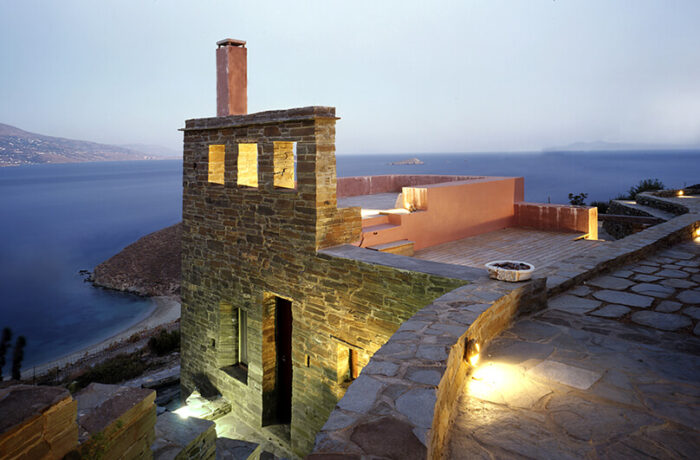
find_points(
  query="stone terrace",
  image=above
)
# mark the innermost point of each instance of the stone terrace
(597, 374)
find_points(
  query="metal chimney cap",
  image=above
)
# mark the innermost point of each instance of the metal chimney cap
(231, 42)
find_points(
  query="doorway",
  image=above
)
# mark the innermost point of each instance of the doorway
(277, 361)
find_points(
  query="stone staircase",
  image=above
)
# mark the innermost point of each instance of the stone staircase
(385, 227)
(644, 205)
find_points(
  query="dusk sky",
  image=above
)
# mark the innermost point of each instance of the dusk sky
(405, 76)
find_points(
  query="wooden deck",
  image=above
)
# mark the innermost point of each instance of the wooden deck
(537, 247)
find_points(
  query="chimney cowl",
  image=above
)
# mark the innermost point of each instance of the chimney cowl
(231, 42)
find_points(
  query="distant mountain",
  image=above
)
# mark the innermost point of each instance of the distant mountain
(19, 147)
(601, 146)
(157, 150)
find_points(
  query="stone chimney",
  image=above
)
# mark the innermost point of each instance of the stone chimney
(231, 78)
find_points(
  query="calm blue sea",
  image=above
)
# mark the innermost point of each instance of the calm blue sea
(58, 219)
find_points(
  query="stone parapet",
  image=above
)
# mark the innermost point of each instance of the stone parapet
(37, 422)
(116, 422)
(261, 118)
(400, 406)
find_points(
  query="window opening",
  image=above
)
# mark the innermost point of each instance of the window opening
(285, 164)
(216, 164)
(242, 337)
(248, 165)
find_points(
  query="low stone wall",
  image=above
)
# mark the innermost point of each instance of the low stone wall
(576, 269)
(370, 185)
(116, 422)
(36, 422)
(407, 387)
(558, 217)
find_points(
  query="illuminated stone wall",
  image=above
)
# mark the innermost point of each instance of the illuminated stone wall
(243, 245)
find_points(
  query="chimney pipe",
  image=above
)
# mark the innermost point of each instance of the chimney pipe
(231, 78)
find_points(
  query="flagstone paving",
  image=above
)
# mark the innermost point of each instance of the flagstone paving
(611, 370)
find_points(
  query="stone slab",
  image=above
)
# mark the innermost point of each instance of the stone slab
(693, 312)
(610, 282)
(573, 304)
(669, 273)
(624, 298)
(611, 311)
(689, 297)
(663, 321)
(654, 290)
(565, 374)
(668, 306)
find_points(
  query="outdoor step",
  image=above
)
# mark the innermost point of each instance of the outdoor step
(375, 219)
(641, 209)
(400, 247)
(379, 228)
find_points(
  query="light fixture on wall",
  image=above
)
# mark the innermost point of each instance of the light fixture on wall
(679, 193)
(471, 351)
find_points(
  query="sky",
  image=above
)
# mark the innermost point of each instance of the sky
(404, 76)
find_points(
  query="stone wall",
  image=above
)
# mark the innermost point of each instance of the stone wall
(36, 422)
(401, 405)
(245, 246)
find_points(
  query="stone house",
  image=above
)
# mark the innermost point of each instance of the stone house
(283, 303)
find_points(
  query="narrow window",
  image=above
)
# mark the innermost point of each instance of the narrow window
(352, 364)
(216, 164)
(248, 165)
(285, 164)
(242, 337)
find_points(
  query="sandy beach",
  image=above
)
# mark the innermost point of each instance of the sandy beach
(167, 310)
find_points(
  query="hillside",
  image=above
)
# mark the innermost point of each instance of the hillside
(150, 266)
(19, 147)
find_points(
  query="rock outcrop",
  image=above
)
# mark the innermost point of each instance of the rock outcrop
(150, 266)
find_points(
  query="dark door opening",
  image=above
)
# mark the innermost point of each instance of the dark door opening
(283, 339)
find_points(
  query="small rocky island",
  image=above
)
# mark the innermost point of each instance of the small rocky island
(411, 161)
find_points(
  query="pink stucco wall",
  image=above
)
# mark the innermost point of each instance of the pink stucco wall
(451, 211)
(558, 217)
(370, 185)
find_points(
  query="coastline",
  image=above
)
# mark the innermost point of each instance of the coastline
(167, 310)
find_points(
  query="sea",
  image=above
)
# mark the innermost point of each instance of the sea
(56, 220)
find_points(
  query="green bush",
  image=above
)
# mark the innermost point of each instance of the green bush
(578, 200)
(646, 185)
(165, 342)
(121, 367)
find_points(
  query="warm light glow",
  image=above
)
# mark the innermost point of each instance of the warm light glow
(248, 165)
(494, 380)
(184, 412)
(217, 154)
(680, 193)
(471, 352)
(697, 232)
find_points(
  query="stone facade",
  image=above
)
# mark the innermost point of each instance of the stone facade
(251, 258)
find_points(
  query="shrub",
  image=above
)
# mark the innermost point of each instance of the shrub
(578, 200)
(601, 205)
(121, 367)
(165, 342)
(646, 185)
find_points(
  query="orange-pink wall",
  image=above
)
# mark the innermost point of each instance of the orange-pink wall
(455, 210)
(557, 217)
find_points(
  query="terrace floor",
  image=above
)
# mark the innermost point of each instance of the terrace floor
(537, 247)
(610, 370)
